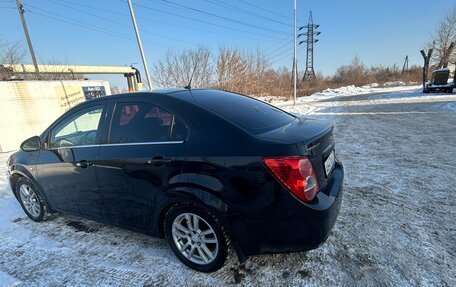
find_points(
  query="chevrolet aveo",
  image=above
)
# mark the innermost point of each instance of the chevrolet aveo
(204, 169)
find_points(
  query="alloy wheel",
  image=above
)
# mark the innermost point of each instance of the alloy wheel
(30, 200)
(195, 238)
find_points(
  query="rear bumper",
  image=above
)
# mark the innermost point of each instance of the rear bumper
(293, 226)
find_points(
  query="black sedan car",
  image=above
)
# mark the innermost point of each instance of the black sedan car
(203, 168)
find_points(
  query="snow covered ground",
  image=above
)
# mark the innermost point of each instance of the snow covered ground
(396, 225)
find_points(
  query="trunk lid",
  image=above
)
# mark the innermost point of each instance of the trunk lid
(313, 138)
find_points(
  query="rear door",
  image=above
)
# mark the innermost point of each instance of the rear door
(145, 151)
(65, 166)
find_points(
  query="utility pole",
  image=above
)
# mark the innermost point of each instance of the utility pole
(20, 8)
(310, 34)
(405, 67)
(295, 69)
(141, 50)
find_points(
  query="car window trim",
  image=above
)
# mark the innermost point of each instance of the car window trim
(118, 144)
(143, 143)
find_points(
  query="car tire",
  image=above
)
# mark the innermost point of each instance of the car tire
(30, 199)
(202, 246)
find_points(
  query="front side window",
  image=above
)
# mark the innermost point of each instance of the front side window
(144, 122)
(78, 129)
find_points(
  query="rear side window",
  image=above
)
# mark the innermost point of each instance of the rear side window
(145, 122)
(253, 115)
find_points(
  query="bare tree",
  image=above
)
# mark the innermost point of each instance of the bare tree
(11, 53)
(231, 70)
(355, 73)
(238, 71)
(444, 40)
(176, 69)
(279, 82)
(260, 74)
(14, 54)
(61, 74)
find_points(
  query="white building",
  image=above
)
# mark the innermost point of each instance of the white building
(28, 107)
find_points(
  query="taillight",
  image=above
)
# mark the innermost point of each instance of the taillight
(297, 174)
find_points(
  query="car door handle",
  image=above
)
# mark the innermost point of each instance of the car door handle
(159, 161)
(84, 163)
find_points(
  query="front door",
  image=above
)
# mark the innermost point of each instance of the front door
(66, 167)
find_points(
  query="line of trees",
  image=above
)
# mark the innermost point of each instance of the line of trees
(231, 69)
(240, 71)
(251, 72)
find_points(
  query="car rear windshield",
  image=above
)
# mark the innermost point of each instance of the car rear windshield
(252, 115)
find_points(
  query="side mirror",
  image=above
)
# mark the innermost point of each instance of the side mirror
(31, 144)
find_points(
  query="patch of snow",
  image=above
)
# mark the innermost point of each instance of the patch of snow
(348, 90)
(7, 280)
(271, 99)
(372, 85)
(351, 90)
(394, 84)
(354, 91)
(450, 106)
(395, 227)
(299, 110)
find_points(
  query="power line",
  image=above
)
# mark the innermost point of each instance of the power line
(78, 23)
(288, 52)
(85, 25)
(151, 20)
(235, 8)
(120, 24)
(9, 7)
(206, 22)
(81, 24)
(222, 17)
(264, 9)
(275, 45)
(277, 49)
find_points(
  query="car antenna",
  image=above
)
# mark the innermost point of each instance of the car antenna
(189, 86)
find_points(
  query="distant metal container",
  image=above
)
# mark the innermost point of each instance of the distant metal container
(440, 76)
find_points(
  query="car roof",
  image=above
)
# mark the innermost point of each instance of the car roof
(156, 92)
(184, 94)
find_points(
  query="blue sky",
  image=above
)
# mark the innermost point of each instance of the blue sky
(99, 32)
